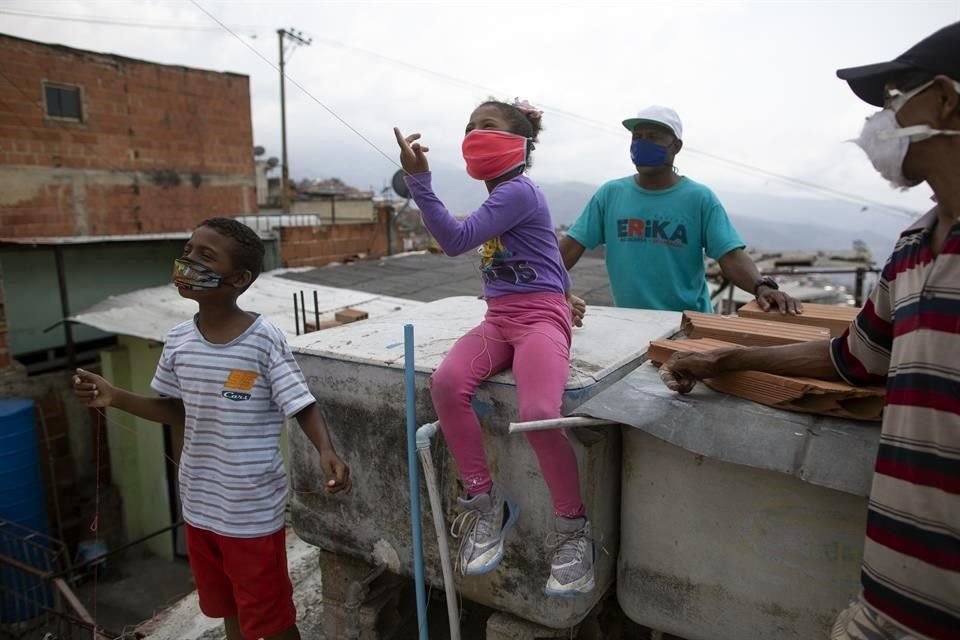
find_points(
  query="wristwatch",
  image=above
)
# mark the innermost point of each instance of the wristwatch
(765, 281)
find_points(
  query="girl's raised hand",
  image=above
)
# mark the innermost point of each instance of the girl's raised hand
(412, 153)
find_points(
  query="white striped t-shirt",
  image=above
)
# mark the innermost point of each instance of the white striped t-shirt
(235, 397)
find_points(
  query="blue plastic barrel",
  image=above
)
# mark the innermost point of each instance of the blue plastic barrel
(23, 506)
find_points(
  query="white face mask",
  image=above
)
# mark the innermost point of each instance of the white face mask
(886, 143)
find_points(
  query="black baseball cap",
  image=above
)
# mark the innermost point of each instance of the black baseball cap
(935, 55)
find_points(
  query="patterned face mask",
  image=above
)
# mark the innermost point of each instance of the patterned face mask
(189, 274)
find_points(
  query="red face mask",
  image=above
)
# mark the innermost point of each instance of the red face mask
(490, 154)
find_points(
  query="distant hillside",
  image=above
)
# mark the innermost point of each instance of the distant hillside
(764, 221)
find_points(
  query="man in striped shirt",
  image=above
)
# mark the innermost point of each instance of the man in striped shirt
(228, 376)
(908, 336)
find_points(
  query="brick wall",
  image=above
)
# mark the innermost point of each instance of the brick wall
(158, 149)
(319, 246)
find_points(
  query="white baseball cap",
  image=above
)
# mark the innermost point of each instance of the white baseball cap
(657, 114)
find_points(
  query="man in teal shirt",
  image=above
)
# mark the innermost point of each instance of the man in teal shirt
(657, 225)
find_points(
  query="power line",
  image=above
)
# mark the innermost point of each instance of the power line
(126, 22)
(619, 132)
(569, 115)
(299, 86)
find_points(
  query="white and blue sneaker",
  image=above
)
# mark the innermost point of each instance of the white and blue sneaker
(571, 569)
(481, 529)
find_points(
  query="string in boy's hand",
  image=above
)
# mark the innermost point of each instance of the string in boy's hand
(91, 389)
(336, 473)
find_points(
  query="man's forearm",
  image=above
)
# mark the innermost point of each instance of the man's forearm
(160, 410)
(570, 251)
(738, 268)
(807, 359)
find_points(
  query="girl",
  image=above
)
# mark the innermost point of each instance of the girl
(527, 327)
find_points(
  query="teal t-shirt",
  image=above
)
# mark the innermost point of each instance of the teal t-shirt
(655, 242)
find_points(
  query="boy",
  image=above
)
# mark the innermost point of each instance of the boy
(228, 376)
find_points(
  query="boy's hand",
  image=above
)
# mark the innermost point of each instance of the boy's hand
(336, 473)
(92, 390)
(412, 157)
(578, 308)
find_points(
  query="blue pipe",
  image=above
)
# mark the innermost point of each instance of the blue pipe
(411, 393)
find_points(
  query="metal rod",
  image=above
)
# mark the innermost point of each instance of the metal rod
(424, 434)
(559, 423)
(284, 167)
(25, 568)
(303, 311)
(316, 310)
(414, 473)
(812, 271)
(123, 547)
(296, 313)
(858, 288)
(65, 308)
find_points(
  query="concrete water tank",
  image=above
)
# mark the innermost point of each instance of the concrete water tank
(738, 520)
(356, 372)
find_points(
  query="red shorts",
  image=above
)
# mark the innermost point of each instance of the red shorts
(243, 577)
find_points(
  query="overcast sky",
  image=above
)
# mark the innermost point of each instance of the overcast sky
(753, 82)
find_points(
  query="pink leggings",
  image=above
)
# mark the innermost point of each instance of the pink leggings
(530, 332)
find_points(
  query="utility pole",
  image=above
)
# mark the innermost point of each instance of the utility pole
(296, 38)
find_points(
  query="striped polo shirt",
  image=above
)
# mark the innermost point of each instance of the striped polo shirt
(235, 397)
(908, 336)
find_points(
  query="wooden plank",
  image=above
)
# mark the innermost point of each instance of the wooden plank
(748, 331)
(834, 318)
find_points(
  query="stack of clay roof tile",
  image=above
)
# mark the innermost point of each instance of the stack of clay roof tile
(836, 319)
(707, 332)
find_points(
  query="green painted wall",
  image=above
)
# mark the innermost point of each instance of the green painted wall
(137, 457)
(93, 273)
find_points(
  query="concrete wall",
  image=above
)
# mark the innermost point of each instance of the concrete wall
(136, 446)
(158, 148)
(338, 211)
(311, 246)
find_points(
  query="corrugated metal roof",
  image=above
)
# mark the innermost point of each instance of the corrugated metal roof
(151, 313)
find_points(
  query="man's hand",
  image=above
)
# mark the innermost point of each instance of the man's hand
(412, 153)
(336, 473)
(578, 309)
(92, 390)
(682, 371)
(769, 299)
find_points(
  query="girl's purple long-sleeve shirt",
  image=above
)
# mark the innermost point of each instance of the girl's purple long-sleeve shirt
(513, 228)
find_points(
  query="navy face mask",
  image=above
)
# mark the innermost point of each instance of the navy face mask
(647, 154)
